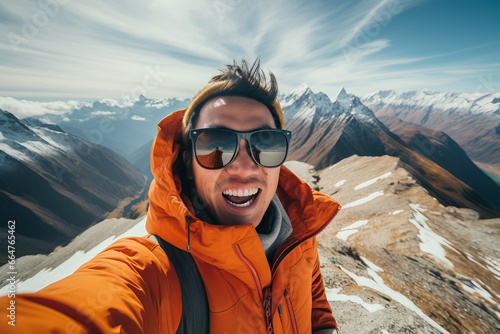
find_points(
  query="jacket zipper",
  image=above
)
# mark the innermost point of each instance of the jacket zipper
(252, 270)
(265, 296)
(289, 306)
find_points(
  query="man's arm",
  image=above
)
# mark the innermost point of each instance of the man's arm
(121, 290)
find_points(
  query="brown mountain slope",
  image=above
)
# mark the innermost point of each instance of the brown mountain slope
(471, 120)
(440, 148)
(325, 133)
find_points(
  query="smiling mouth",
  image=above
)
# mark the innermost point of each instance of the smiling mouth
(240, 198)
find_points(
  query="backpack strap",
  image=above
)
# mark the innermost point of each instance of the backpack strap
(195, 314)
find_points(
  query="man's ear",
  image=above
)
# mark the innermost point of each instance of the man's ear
(188, 161)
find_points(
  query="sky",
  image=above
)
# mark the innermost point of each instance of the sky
(67, 50)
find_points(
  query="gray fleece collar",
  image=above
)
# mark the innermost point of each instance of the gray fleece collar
(280, 229)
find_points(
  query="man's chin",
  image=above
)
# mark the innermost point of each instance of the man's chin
(235, 220)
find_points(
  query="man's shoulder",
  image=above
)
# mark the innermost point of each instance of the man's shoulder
(135, 250)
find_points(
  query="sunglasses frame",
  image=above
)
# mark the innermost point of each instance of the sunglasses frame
(195, 133)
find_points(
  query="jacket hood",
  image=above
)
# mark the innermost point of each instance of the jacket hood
(171, 212)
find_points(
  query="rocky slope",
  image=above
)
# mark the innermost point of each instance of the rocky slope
(404, 262)
(394, 260)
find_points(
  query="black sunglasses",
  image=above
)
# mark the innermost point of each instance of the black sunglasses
(216, 148)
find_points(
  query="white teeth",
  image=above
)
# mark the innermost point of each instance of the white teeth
(240, 192)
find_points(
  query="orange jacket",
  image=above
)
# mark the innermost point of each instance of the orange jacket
(130, 288)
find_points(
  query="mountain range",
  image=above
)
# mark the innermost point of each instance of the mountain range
(325, 132)
(122, 127)
(472, 120)
(55, 185)
(77, 164)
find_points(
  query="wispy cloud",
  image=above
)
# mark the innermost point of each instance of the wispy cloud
(65, 49)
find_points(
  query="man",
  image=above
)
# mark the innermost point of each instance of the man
(221, 193)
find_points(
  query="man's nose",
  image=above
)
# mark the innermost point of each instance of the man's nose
(243, 160)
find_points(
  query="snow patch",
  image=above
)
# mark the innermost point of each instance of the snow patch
(364, 199)
(351, 229)
(338, 184)
(377, 283)
(432, 243)
(493, 265)
(343, 235)
(463, 103)
(333, 295)
(17, 154)
(357, 224)
(372, 181)
(472, 287)
(371, 265)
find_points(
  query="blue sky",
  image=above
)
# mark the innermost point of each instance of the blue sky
(89, 50)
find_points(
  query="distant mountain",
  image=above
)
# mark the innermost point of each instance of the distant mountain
(124, 128)
(472, 120)
(326, 132)
(55, 185)
(140, 159)
(440, 148)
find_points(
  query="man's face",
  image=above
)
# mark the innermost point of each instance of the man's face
(218, 189)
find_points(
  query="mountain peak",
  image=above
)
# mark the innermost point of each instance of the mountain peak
(345, 99)
(13, 128)
(342, 93)
(301, 90)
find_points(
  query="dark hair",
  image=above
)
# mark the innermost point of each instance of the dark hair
(241, 80)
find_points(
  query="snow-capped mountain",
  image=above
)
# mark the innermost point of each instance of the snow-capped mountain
(323, 124)
(55, 184)
(326, 132)
(122, 127)
(472, 120)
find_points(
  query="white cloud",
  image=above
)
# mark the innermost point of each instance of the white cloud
(102, 113)
(23, 108)
(138, 118)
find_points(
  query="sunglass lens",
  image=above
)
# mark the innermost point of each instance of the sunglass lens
(269, 148)
(215, 148)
